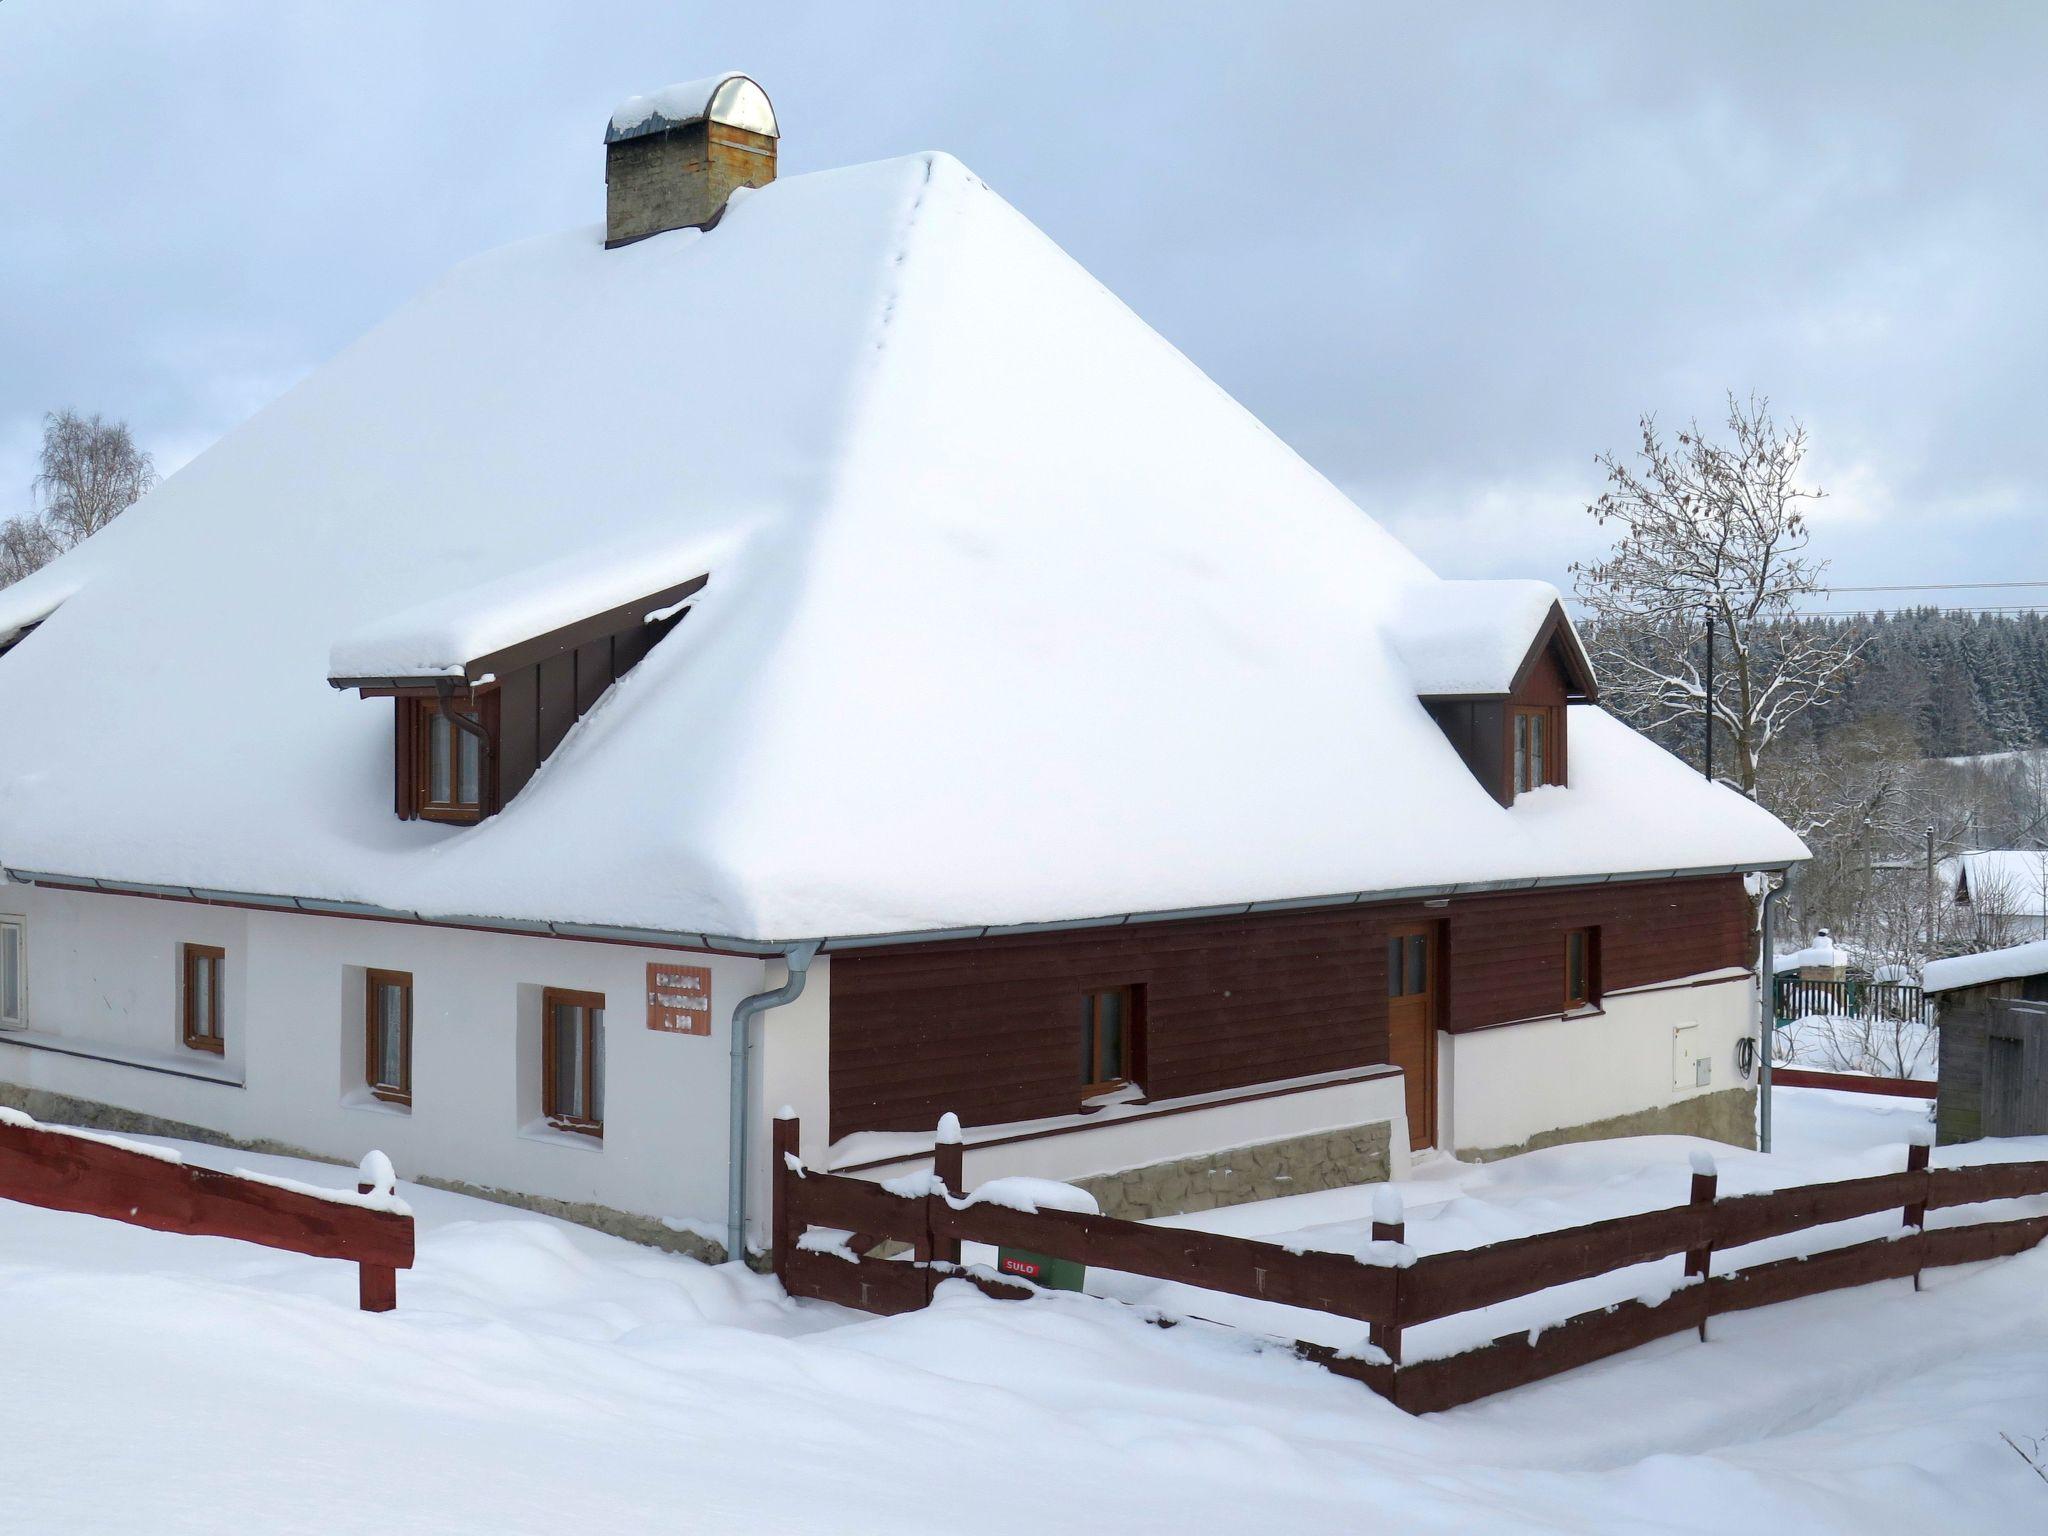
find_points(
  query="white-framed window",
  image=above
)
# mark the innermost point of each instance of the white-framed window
(13, 973)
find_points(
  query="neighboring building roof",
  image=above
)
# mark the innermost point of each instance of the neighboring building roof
(1012, 615)
(2004, 881)
(1478, 639)
(1992, 965)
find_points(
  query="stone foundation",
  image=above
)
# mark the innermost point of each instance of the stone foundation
(62, 1109)
(1300, 1165)
(1729, 1115)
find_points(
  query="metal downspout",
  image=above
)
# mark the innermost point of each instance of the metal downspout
(468, 727)
(798, 958)
(1767, 1007)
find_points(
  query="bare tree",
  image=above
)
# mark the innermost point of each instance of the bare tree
(88, 474)
(1711, 529)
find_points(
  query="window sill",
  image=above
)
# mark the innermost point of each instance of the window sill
(200, 1066)
(554, 1136)
(362, 1098)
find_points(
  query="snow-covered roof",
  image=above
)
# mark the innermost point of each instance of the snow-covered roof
(1823, 954)
(1991, 965)
(1470, 638)
(730, 97)
(1012, 615)
(2004, 880)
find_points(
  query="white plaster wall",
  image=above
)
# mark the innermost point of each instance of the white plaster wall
(103, 976)
(1135, 1142)
(1499, 1087)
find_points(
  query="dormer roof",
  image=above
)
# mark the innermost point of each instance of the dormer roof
(1482, 639)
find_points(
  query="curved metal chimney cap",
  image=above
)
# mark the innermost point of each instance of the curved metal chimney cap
(731, 98)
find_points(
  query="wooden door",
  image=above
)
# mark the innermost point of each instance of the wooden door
(1411, 1024)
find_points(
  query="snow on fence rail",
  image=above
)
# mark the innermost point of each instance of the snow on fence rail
(66, 1170)
(1390, 1287)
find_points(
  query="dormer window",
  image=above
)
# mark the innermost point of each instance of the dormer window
(452, 774)
(1497, 665)
(472, 730)
(1539, 734)
(445, 757)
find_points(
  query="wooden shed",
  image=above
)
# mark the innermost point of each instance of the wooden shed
(1992, 1013)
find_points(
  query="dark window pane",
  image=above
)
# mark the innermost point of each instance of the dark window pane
(1088, 1038)
(470, 781)
(390, 1035)
(1109, 1050)
(596, 1109)
(1536, 752)
(1418, 964)
(1521, 752)
(440, 761)
(568, 1084)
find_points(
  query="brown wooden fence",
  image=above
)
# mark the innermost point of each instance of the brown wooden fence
(61, 1171)
(1856, 1082)
(1392, 1289)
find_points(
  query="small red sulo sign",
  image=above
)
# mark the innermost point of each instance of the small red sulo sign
(679, 999)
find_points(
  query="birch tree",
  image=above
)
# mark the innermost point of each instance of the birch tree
(88, 473)
(1711, 528)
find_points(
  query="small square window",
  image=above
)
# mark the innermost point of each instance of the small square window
(203, 1024)
(387, 1036)
(1111, 1021)
(572, 1060)
(13, 973)
(1580, 954)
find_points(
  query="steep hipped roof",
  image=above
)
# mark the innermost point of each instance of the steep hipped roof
(1013, 615)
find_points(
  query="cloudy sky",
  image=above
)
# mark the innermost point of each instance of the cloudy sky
(1450, 253)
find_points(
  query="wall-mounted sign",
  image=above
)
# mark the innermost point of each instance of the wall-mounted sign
(679, 999)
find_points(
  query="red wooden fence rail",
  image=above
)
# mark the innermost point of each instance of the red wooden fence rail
(1394, 1291)
(61, 1171)
(1855, 1082)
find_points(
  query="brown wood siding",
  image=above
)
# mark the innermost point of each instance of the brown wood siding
(990, 1028)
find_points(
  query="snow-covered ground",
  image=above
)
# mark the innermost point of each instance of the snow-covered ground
(1879, 1047)
(539, 1375)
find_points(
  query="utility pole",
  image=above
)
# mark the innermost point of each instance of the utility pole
(1709, 753)
(1928, 953)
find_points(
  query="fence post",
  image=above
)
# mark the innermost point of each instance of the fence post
(376, 1284)
(782, 1217)
(1916, 1213)
(1390, 1225)
(949, 1159)
(1706, 1181)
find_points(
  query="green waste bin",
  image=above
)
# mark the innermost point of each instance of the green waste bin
(1041, 1269)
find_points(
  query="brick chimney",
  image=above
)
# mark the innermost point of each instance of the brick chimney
(673, 158)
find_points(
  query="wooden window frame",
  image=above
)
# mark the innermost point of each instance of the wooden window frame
(18, 926)
(401, 1091)
(590, 1002)
(215, 1043)
(425, 807)
(1590, 969)
(1130, 1049)
(1552, 767)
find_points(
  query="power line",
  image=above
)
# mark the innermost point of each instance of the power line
(1942, 586)
(1888, 613)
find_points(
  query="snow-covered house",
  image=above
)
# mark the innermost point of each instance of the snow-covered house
(815, 614)
(2003, 892)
